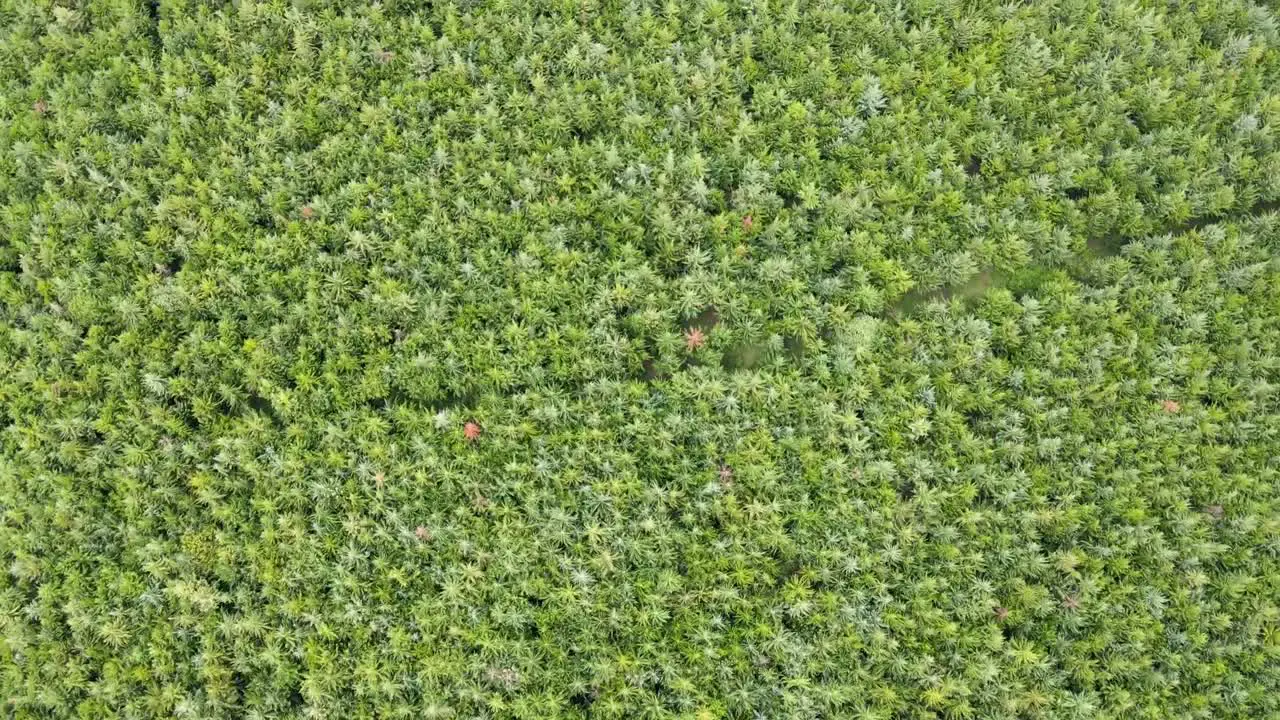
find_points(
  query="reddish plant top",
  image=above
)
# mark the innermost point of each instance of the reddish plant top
(471, 431)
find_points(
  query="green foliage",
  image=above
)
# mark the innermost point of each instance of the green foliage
(546, 359)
